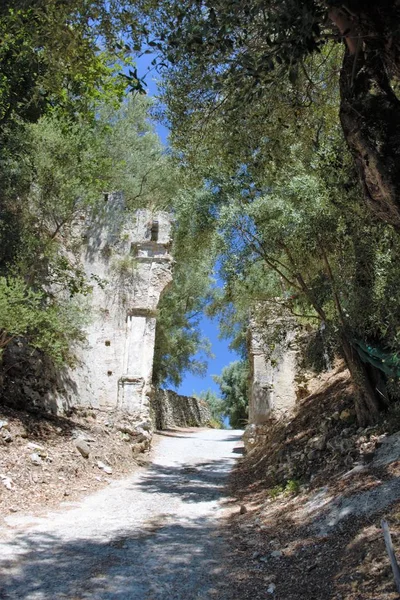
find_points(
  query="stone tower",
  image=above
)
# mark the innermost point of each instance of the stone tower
(126, 257)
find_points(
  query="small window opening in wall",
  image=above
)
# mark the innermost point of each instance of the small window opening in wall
(154, 231)
(107, 343)
(105, 196)
(109, 373)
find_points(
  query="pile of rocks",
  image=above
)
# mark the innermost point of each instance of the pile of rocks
(44, 458)
(284, 451)
(136, 431)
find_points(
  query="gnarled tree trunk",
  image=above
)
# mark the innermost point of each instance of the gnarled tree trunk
(370, 110)
(367, 400)
(370, 117)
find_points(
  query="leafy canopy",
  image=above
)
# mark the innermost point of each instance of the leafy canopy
(234, 383)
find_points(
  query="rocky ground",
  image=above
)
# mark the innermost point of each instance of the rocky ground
(154, 535)
(303, 508)
(45, 460)
(313, 493)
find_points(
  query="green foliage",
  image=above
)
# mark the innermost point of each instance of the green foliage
(259, 178)
(293, 251)
(216, 406)
(138, 164)
(66, 166)
(252, 96)
(234, 383)
(237, 84)
(179, 345)
(291, 488)
(50, 327)
(66, 137)
(283, 201)
(50, 56)
(125, 267)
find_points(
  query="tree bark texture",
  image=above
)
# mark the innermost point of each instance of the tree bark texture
(376, 23)
(367, 401)
(370, 118)
(370, 110)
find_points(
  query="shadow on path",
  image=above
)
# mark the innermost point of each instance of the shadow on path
(153, 537)
(202, 482)
(175, 561)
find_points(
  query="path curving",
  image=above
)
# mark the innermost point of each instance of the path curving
(152, 536)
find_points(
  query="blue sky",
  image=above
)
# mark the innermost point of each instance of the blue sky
(209, 328)
(223, 356)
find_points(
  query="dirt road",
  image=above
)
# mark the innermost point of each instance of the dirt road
(153, 536)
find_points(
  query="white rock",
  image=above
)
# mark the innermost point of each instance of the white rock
(271, 588)
(276, 554)
(103, 467)
(145, 425)
(32, 446)
(7, 437)
(7, 482)
(35, 459)
(318, 442)
(83, 447)
(4, 424)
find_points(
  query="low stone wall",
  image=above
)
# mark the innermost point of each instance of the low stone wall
(170, 410)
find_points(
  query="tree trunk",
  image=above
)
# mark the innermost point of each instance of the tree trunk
(367, 402)
(375, 23)
(370, 111)
(370, 118)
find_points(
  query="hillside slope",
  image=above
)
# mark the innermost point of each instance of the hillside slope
(45, 459)
(313, 493)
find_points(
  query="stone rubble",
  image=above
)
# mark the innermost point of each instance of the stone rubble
(106, 468)
(337, 442)
(43, 461)
(83, 447)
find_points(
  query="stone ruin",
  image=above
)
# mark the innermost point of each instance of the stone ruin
(272, 379)
(170, 410)
(127, 259)
(272, 384)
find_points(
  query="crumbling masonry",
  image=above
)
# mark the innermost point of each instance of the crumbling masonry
(127, 259)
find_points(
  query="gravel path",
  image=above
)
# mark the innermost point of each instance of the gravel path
(153, 536)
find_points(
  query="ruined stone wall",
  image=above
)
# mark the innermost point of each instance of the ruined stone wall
(126, 260)
(169, 410)
(272, 378)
